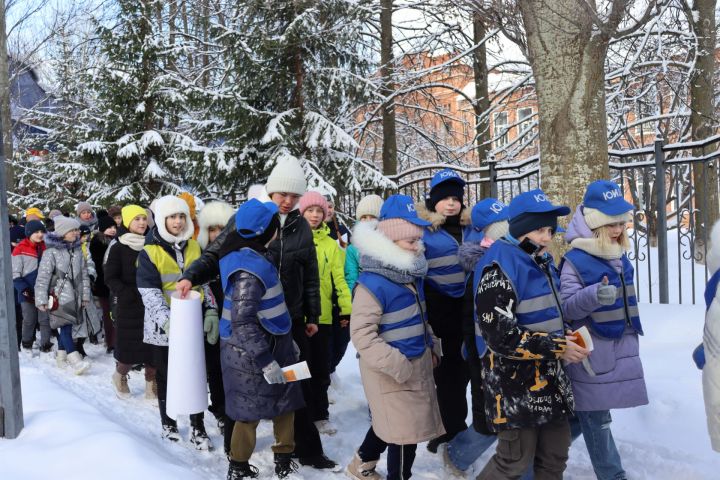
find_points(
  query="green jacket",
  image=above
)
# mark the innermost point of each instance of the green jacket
(331, 267)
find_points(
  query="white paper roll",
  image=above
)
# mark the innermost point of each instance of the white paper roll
(186, 377)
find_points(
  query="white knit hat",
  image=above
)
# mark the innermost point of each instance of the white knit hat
(287, 176)
(594, 218)
(369, 205)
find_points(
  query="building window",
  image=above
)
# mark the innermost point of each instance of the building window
(524, 120)
(500, 134)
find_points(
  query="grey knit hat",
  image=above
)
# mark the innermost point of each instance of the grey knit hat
(64, 224)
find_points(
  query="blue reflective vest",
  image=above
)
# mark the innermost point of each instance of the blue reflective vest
(538, 307)
(473, 235)
(403, 323)
(444, 271)
(272, 313)
(608, 321)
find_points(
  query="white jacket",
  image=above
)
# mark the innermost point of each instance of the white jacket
(711, 342)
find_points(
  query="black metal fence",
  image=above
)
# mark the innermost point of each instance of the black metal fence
(669, 244)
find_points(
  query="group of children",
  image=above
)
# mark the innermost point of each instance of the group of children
(433, 295)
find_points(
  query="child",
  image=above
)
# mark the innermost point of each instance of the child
(256, 342)
(168, 250)
(98, 246)
(395, 343)
(444, 291)
(63, 273)
(120, 272)
(598, 291)
(331, 262)
(367, 210)
(25, 260)
(528, 398)
(711, 340)
(489, 224)
(211, 221)
(86, 215)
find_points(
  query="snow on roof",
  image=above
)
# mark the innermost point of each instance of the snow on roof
(497, 81)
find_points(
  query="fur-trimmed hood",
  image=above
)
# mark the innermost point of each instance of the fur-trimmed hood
(371, 242)
(53, 241)
(167, 206)
(469, 254)
(438, 219)
(213, 213)
(713, 255)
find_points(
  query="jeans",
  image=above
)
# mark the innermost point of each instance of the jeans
(65, 339)
(600, 444)
(469, 445)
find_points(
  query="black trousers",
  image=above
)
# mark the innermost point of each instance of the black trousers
(451, 380)
(320, 381)
(400, 458)
(307, 437)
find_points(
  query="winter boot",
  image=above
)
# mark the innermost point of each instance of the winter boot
(241, 470)
(284, 465)
(151, 390)
(79, 342)
(319, 462)
(199, 437)
(27, 345)
(170, 432)
(77, 363)
(47, 348)
(360, 470)
(120, 382)
(61, 359)
(325, 427)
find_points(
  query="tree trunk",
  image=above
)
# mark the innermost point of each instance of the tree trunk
(389, 152)
(7, 140)
(482, 98)
(567, 55)
(702, 123)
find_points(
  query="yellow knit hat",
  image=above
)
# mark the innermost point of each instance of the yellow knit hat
(190, 200)
(129, 212)
(34, 211)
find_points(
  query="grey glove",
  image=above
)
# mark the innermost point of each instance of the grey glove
(606, 294)
(211, 326)
(273, 373)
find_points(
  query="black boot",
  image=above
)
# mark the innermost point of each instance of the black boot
(27, 345)
(79, 346)
(199, 437)
(169, 426)
(284, 465)
(241, 470)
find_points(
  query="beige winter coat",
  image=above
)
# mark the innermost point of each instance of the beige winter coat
(401, 392)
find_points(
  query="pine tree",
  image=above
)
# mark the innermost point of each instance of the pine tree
(135, 144)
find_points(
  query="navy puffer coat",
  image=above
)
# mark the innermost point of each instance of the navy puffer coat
(248, 396)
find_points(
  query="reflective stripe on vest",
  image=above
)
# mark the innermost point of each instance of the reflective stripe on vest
(608, 321)
(444, 271)
(272, 313)
(168, 268)
(538, 308)
(402, 324)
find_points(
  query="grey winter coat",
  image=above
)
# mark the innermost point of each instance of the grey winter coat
(618, 380)
(61, 259)
(248, 396)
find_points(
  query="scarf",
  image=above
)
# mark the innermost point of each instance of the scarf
(132, 240)
(391, 272)
(592, 246)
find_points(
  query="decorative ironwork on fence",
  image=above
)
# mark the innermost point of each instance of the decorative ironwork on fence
(667, 243)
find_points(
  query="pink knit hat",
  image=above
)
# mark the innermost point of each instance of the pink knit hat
(313, 199)
(398, 229)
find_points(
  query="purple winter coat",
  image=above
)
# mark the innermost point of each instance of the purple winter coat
(619, 381)
(248, 396)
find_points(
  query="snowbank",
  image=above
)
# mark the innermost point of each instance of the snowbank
(76, 427)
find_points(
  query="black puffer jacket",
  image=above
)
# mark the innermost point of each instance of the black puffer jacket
(120, 277)
(293, 252)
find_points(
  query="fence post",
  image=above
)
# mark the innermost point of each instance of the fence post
(491, 175)
(661, 226)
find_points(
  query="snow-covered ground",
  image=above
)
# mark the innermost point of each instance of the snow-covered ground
(75, 427)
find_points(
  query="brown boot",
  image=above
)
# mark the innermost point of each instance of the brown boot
(151, 390)
(360, 470)
(120, 382)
